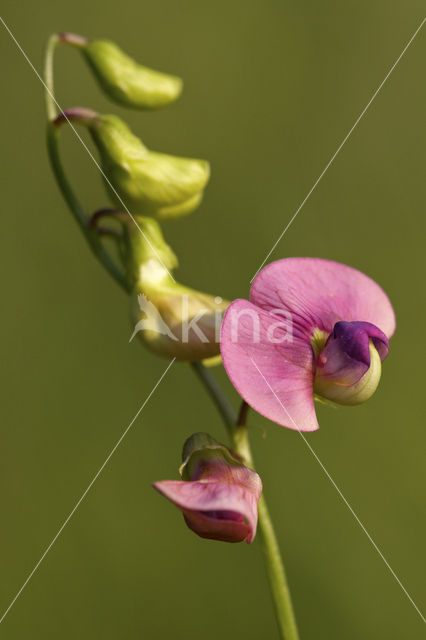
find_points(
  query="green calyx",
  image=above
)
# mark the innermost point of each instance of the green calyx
(127, 82)
(318, 340)
(145, 249)
(200, 449)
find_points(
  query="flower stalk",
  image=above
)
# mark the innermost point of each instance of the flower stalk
(71, 199)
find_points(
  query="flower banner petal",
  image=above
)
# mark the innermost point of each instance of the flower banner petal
(319, 293)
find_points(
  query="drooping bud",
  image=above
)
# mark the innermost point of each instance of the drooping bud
(149, 183)
(172, 320)
(348, 368)
(125, 81)
(218, 495)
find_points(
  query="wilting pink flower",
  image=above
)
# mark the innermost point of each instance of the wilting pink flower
(219, 496)
(312, 326)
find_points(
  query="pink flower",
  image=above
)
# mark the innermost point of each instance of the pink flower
(311, 326)
(218, 496)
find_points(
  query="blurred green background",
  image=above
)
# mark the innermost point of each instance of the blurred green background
(271, 89)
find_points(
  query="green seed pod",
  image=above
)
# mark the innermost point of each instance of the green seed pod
(149, 183)
(127, 82)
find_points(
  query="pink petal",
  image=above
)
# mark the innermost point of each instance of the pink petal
(199, 501)
(275, 379)
(320, 293)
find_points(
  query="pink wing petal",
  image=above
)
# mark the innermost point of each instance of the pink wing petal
(205, 498)
(276, 379)
(319, 293)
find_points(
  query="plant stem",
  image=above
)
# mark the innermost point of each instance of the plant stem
(271, 551)
(71, 199)
(238, 433)
(276, 575)
(48, 76)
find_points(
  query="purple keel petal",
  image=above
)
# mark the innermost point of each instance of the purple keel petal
(270, 368)
(217, 528)
(354, 337)
(344, 366)
(352, 350)
(319, 293)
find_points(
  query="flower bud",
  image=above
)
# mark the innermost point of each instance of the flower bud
(149, 183)
(218, 495)
(172, 320)
(127, 82)
(348, 368)
(144, 243)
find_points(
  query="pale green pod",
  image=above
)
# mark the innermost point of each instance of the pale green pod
(147, 182)
(127, 82)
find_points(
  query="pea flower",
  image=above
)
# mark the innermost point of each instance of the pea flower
(311, 327)
(218, 495)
